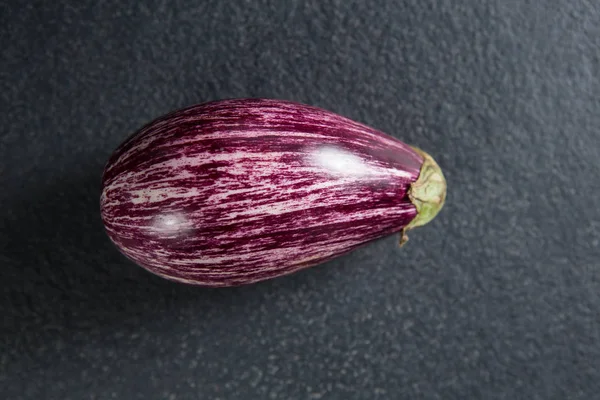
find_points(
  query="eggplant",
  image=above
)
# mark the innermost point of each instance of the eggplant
(237, 191)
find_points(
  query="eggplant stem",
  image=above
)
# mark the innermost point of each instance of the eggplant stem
(427, 193)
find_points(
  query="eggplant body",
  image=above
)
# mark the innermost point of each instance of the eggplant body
(238, 191)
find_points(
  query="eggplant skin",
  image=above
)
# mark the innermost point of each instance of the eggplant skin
(243, 190)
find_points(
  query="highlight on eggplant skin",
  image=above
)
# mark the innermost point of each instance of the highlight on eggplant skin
(238, 191)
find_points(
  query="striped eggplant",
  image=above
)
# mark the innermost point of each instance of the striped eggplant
(238, 191)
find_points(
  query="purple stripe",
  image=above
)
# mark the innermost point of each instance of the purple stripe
(237, 191)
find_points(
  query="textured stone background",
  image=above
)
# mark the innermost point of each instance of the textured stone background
(499, 298)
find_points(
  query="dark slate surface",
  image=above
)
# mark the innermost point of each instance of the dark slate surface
(499, 298)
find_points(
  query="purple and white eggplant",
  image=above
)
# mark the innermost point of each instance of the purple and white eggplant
(238, 191)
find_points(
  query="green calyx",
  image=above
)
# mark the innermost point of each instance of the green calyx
(427, 193)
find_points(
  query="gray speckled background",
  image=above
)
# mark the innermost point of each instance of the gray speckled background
(499, 298)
